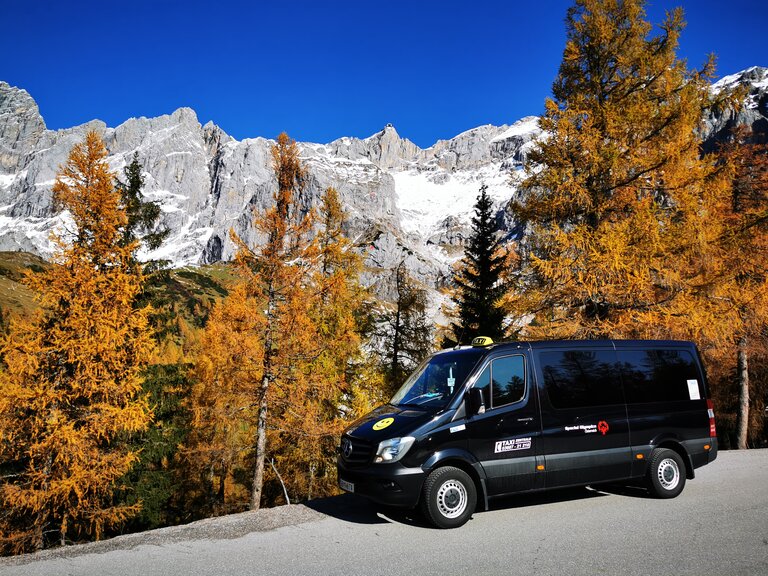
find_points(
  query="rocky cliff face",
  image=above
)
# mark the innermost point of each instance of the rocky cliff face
(403, 202)
(719, 124)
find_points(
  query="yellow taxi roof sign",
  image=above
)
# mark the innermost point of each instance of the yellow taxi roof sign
(482, 341)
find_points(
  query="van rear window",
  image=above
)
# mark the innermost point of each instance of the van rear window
(577, 378)
(659, 375)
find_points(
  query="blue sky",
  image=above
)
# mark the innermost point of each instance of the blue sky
(321, 69)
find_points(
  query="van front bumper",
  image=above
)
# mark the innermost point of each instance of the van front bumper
(388, 484)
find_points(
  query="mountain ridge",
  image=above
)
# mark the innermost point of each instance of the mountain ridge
(405, 203)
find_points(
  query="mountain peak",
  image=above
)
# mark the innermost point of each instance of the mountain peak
(388, 150)
(755, 76)
(21, 126)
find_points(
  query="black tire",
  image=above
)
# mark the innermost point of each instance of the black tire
(449, 497)
(666, 473)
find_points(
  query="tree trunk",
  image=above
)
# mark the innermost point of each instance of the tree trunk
(266, 378)
(394, 367)
(41, 518)
(220, 495)
(37, 537)
(261, 447)
(63, 530)
(743, 378)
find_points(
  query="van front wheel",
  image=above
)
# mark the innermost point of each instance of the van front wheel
(666, 474)
(449, 497)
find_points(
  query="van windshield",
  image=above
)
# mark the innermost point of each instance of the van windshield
(435, 382)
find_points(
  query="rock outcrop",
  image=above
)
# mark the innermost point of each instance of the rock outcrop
(21, 127)
(753, 113)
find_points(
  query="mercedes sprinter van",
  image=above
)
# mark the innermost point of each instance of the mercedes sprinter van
(487, 420)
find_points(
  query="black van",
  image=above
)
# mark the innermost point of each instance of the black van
(476, 422)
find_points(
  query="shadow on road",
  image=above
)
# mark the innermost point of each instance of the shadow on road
(543, 498)
(567, 494)
(346, 507)
(353, 508)
(632, 491)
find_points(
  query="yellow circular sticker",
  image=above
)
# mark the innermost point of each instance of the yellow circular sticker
(381, 424)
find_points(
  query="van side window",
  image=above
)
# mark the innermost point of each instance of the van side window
(483, 382)
(578, 378)
(502, 381)
(658, 375)
(508, 383)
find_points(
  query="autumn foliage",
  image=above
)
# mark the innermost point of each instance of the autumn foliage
(620, 215)
(631, 231)
(280, 370)
(69, 388)
(743, 286)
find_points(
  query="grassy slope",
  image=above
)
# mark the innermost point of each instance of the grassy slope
(190, 291)
(15, 297)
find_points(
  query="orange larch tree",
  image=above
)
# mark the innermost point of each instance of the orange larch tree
(330, 384)
(260, 338)
(745, 274)
(278, 272)
(281, 369)
(223, 401)
(620, 206)
(70, 383)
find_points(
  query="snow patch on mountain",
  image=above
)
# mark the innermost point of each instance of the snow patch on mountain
(426, 199)
(527, 125)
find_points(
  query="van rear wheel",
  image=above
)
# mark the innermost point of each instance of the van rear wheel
(448, 498)
(666, 474)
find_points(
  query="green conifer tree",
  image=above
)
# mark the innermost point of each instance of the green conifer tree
(142, 215)
(480, 279)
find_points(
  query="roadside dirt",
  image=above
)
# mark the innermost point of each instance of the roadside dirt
(222, 527)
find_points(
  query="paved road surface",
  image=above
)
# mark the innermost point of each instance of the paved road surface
(718, 526)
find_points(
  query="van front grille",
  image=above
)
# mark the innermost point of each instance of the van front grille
(356, 452)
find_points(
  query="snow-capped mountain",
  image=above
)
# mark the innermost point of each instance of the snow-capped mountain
(404, 203)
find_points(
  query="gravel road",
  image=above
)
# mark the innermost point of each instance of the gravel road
(717, 526)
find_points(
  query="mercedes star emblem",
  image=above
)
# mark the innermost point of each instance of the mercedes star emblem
(346, 447)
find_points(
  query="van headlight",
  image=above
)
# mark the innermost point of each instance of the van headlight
(393, 449)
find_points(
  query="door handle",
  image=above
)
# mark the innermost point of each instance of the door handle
(529, 419)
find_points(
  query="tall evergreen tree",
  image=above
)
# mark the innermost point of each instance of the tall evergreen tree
(142, 215)
(152, 480)
(71, 383)
(480, 279)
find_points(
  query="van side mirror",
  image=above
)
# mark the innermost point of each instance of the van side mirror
(475, 401)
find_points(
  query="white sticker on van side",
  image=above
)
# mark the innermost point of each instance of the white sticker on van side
(693, 389)
(458, 428)
(514, 444)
